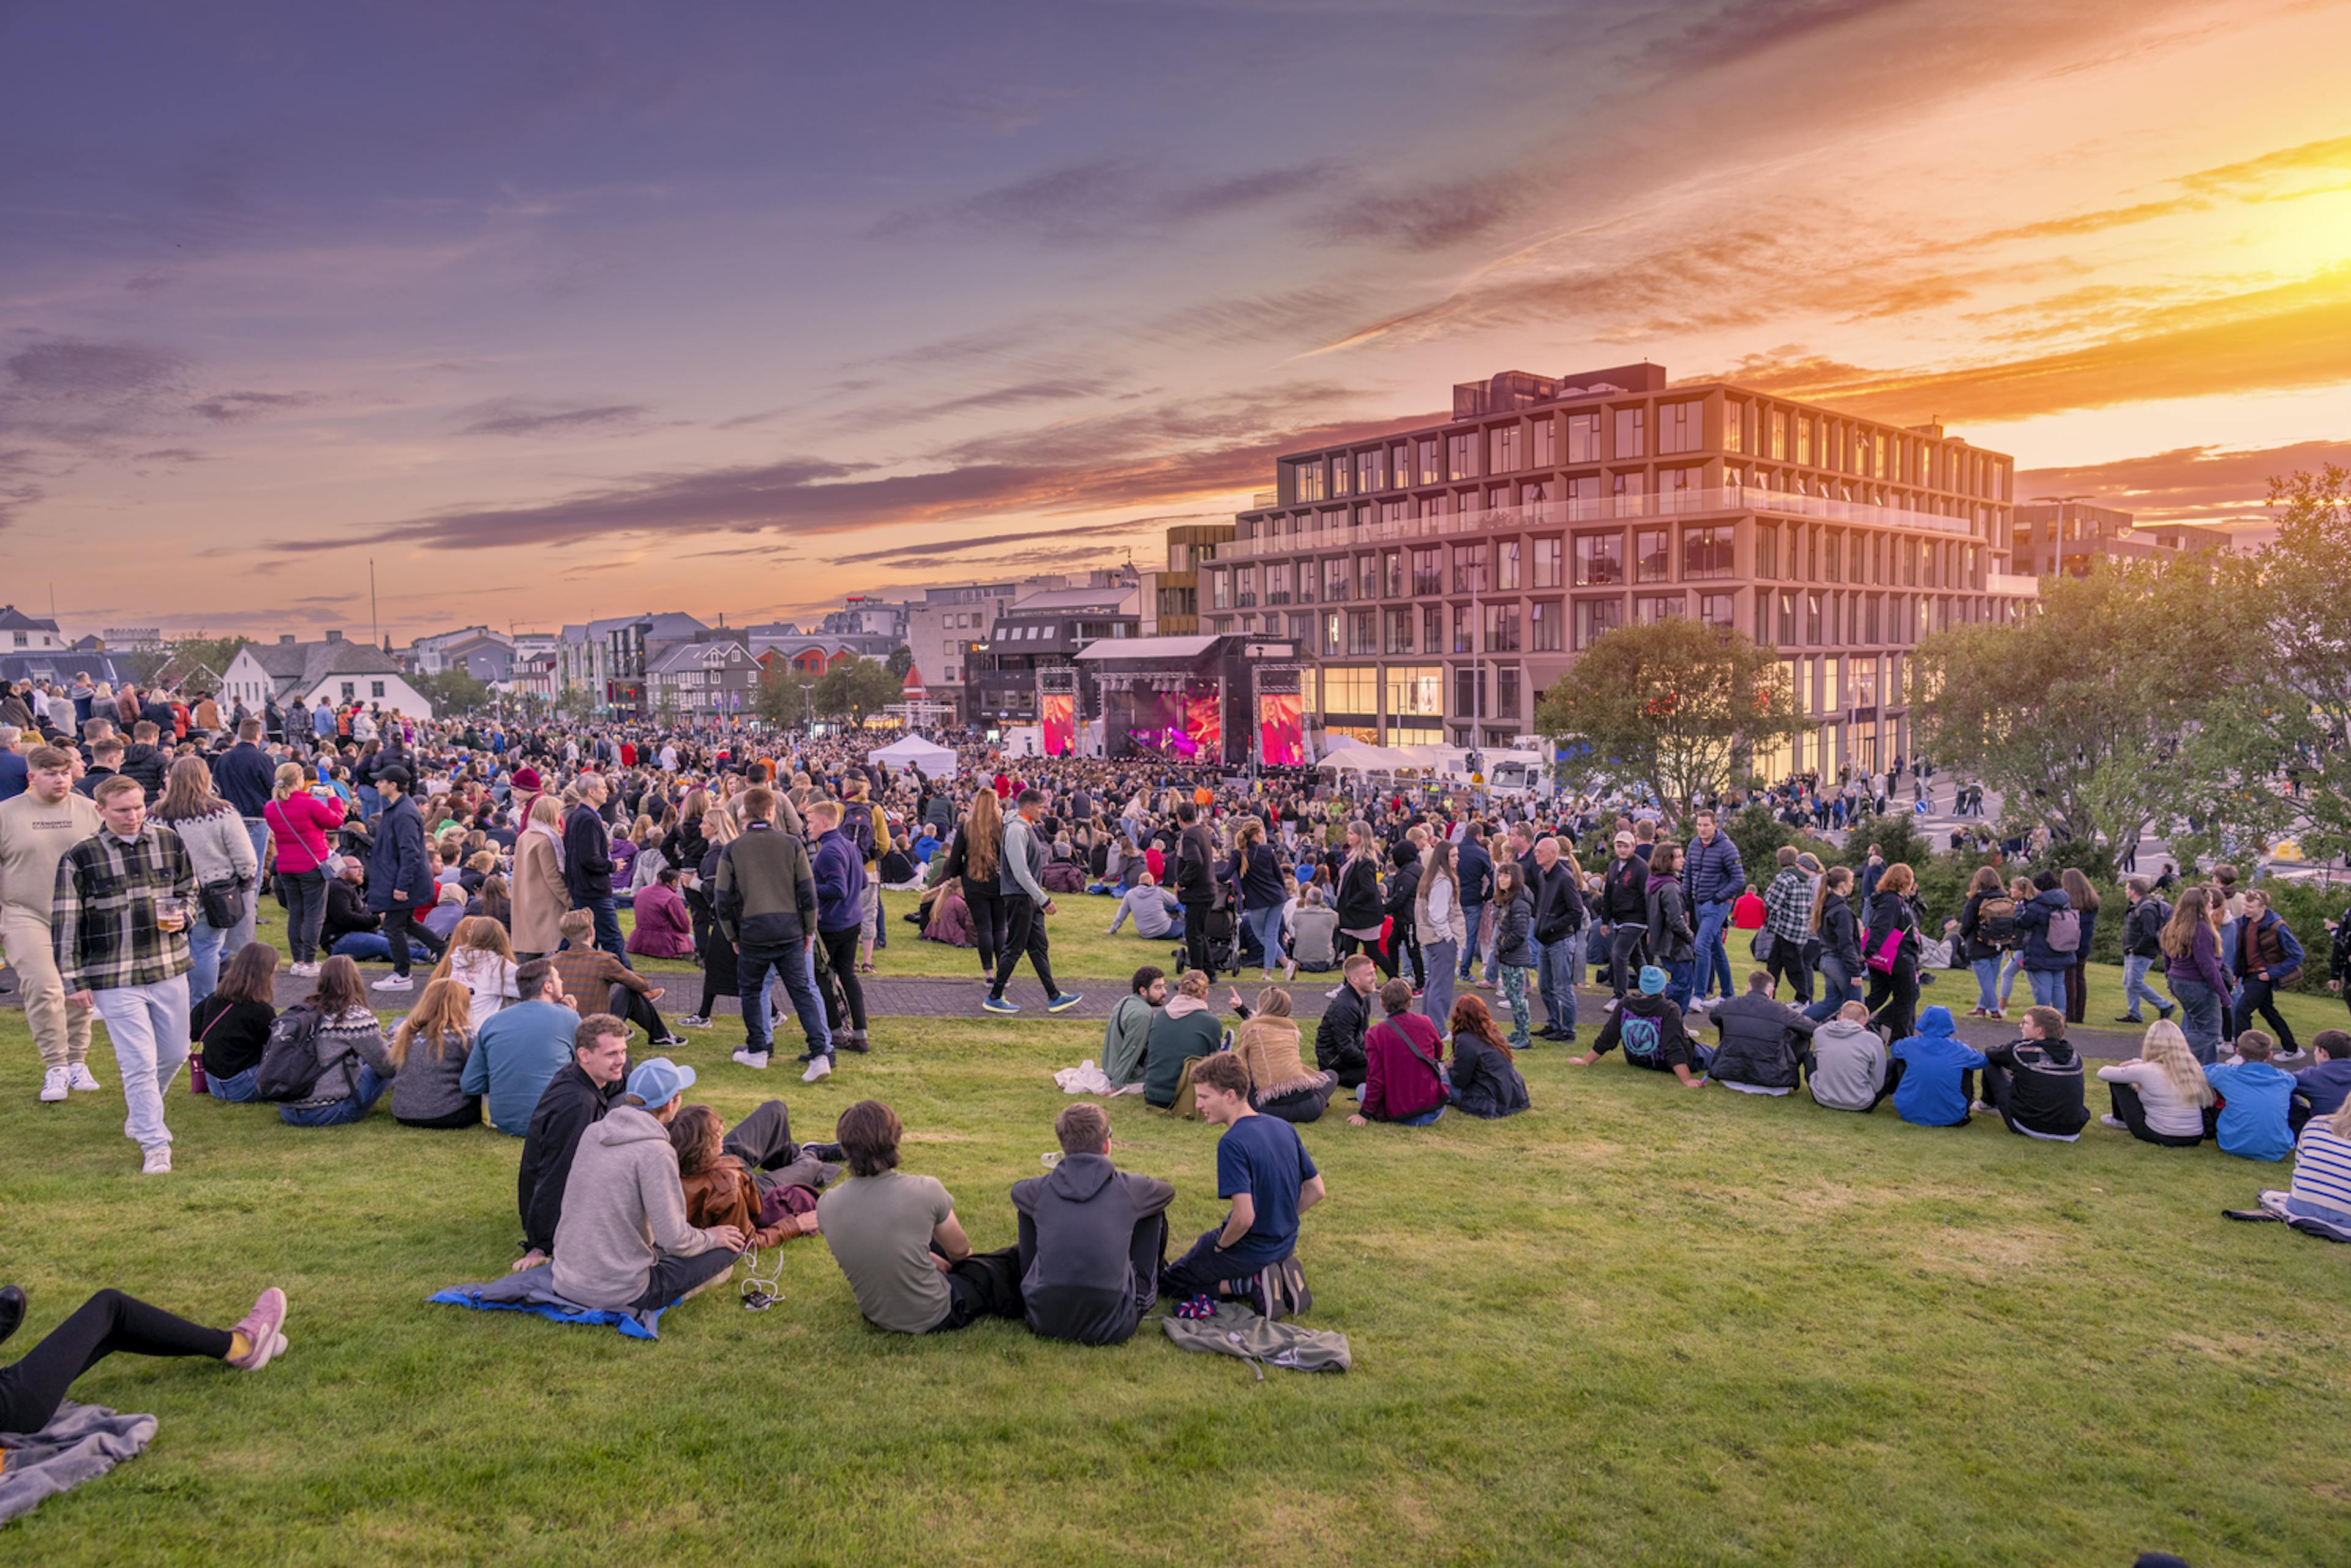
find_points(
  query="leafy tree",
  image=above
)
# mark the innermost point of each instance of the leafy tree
(1673, 707)
(452, 692)
(779, 700)
(901, 660)
(2304, 601)
(856, 688)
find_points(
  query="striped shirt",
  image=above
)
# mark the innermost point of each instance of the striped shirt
(2321, 1173)
(102, 914)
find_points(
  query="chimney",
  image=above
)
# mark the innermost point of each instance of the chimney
(336, 636)
(285, 638)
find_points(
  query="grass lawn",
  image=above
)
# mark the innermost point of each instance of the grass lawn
(1639, 1325)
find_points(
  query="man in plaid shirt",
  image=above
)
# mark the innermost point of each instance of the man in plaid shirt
(1788, 916)
(118, 891)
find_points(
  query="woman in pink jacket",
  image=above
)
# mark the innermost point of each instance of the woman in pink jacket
(300, 817)
(663, 928)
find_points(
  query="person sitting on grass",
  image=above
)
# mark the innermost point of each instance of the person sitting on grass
(587, 970)
(1128, 1034)
(1280, 1084)
(1091, 1237)
(1760, 1039)
(354, 1065)
(1157, 917)
(579, 1097)
(1845, 1063)
(480, 956)
(1649, 1027)
(428, 1053)
(1936, 1067)
(2321, 1188)
(663, 927)
(1264, 1171)
(2254, 1095)
(520, 1047)
(1339, 1037)
(622, 1243)
(2320, 1088)
(230, 1028)
(1486, 1081)
(1314, 933)
(754, 1178)
(1403, 1080)
(2035, 1083)
(1186, 1027)
(34, 1384)
(2160, 1096)
(896, 1238)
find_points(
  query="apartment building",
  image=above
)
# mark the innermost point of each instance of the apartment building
(2055, 538)
(716, 678)
(1043, 631)
(1443, 579)
(1171, 596)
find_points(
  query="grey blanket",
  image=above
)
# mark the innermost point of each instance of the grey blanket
(81, 1443)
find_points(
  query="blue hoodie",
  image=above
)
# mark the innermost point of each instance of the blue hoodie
(840, 871)
(2254, 1096)
(1934, 1061)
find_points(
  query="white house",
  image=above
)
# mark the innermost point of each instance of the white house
(342, 671)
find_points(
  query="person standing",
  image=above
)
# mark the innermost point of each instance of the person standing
(1196, 888)
(301, 815)
(1712, 880)
(1671, 943)
(242, 777)
(36, 829)
(2196, 971)
(1476, 869)
(227, 868)
(1026, 905)
(119, 920)
(1624, 905)
(2142, 946)
(2266, 956)
(587, 863)
(399, 884)
(1558, 918)
(1442, 928)
(841, 912)
(765, 902)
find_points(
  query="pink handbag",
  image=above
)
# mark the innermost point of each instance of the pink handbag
(1888, 951)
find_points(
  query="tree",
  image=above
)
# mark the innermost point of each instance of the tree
(901, 659)
(2305, 608)
(855, 689)
(1672, 706)
(452, 692)
(778, 699)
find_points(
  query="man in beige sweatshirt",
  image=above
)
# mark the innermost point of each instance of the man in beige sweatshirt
(37, 827)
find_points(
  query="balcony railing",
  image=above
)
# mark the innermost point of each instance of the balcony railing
(1604, 509)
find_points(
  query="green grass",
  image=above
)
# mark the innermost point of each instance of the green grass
(1639, 1325)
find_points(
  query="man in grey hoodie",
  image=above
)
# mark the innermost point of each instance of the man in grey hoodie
(1092, 1238)
(623, 1243)
(1844, 1066)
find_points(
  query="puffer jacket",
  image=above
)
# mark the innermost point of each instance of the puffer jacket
(1514, 932)
(1671, 940)
(2033, 922)
(1759, 1038)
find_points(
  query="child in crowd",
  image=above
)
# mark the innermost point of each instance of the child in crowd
(2035, 1083)
(1933, 1067)
(2254, 1095)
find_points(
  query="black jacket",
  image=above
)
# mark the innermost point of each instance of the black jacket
(1624, 891)
(2143, 928)
(1558, 905)
(1358, 895)
(1671, 940)
(1657, 1023)
(347, 912)
(1078, 1230)
(1339, 1038)
(1514, 932)
(1759, 1038)
(1485, 1081)
(1404, 888)
(148, 764)
(571, 1104)
(1475, 868)
(1195, 869)
(587, 856)
(1841, 935)
(1889, 913)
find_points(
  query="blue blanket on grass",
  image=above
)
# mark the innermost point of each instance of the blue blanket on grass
(533, 1291)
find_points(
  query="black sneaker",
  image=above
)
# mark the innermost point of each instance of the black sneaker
(826, 1154)
(12, 1309)
(1265, 1293)
(1289, 1284)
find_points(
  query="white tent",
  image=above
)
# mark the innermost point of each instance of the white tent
(913, 751)
(1352, 755)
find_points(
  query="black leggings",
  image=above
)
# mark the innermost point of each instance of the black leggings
(840, 952)
(988, 926)
(2132, 1113)
(31, 1390)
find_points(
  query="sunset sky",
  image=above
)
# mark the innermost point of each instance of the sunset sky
(559, 311)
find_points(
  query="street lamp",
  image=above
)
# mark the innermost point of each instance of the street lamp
(808, 697)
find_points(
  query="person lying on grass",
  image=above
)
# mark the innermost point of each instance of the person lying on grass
(1091, 1237)
(623, 1243)
(2036, 1083)
(33, 1387)
(1403, 1056)
(897, 1239)
(1264, 1171)
(1649, 1027)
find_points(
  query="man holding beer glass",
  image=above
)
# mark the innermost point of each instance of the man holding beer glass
(118, 925)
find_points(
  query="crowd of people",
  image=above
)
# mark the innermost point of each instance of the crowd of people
(133, 868)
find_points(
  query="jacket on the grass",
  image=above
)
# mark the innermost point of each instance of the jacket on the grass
(1078, 1224)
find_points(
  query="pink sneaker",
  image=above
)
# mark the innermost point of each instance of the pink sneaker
(260, 1328)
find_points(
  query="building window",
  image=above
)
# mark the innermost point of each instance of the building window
(1831, 547)
(1506, 692)
(1506, 450)
(1506, 566)
(1469, 568)
(1628, 488)
(1399, 630)
(1367, 577)
(1652, 555)
(1461, 455)
(1306, 481)
(1597, 617)
(1804, 438)
(1392, 570)
(1778, 453)
(1244, 593)
(1734, 426)
(1546, 443)
(1502, 627)
(1678, 490)
(1429, 474)
(1330, 634)
(1335, 582)
(1546, 562)
(377, 688)
(1813, 620)
(1468, 691)
(1681, 427)
(1370, 471)
(351, 691)
(1716, 610)
(1787, 638)
(1400, 466)
(1432, 627)
(1463, 640)
(1599, 559)
(1630, 434)
(1342, 475)
(1705, 553)
(1648, 609)
(1428, 572)
(1543, 624)
(1416, 691)
(1767, 550)
(1864, 683)
(1220, 591)
(1583, 438)
(1351, 691)
(1362, 632)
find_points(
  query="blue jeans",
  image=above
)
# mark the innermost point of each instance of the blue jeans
(796, 964)
(207, 942)
(1423, 1120)
(606, 911)
(1679, 978)
(2009, 968)
(1713, 964)
(1436, 996)
(370, 802)
(1474, 913)
(373, 945)
(1555, 965)
(370, 1089)
(2135, 986)
(1837, 988)
(2048, 987)
(2200, 1015)
(1987, 973)
(1267, 924)
(237, 1091)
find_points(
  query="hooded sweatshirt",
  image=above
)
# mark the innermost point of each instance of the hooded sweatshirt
(1649, 1028)
(1078, 1233)
(1186, 1027)
(623, 1207)
(1935, 1065)
(1848, 1066)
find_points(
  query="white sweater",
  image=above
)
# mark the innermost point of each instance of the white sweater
(2166, 1112)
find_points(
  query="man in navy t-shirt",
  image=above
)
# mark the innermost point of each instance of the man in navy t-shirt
(1265, 1173)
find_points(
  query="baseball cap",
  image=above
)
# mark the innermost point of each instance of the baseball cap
(1653, 981)
(659, 1081)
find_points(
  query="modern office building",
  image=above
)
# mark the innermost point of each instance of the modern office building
(2056, 539)
(1170, 605)
(1441, 579)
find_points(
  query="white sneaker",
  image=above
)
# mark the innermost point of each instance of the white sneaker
(818, 1070)
(159, 1161)
(303, 971)
(54, 1083)
(755, 1060)
(2117, 1123)
(77, 1075)
(394, 983)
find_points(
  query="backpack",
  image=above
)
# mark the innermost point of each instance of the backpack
(2065, 931)
(1996, 922)
(289, 1065)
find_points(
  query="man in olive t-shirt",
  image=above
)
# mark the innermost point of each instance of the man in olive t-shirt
(896, 1237)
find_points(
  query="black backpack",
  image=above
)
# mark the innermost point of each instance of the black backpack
(289, 1064)
(1996, 921)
